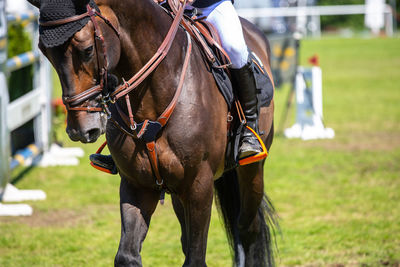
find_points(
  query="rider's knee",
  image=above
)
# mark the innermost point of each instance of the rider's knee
(238, 54)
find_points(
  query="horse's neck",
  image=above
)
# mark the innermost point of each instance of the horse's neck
(138, 31)
(144, 26)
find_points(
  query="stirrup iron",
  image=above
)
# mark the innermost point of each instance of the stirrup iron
(257, 157)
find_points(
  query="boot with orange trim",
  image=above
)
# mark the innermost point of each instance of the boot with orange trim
(245, 86)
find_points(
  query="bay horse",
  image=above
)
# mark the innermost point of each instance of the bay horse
(190, 147)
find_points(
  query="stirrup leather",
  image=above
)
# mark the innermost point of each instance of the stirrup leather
(257, 157)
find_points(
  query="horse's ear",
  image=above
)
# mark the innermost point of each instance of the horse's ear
(35, 3)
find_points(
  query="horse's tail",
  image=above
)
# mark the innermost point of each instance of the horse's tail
(228, 204)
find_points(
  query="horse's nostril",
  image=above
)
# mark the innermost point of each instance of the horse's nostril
(73, 134)
(93, 134)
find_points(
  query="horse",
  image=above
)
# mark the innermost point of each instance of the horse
(190, 147)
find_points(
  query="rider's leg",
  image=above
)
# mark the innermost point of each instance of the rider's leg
(226, 21)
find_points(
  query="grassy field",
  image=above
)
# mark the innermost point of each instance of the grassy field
(338, 200)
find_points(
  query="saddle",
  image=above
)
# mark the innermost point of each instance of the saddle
(207, 38)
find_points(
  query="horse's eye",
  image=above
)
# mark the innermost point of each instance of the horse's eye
(87, 53)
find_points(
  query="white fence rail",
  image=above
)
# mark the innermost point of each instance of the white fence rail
(315, 12)
(34, 105)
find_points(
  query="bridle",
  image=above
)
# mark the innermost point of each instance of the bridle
(73, 102)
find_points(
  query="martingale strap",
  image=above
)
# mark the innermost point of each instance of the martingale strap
(163, 119)
(148, 130)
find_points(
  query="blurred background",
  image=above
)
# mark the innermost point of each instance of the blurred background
(333, 171)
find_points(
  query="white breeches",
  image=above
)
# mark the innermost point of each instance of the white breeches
(226, 21)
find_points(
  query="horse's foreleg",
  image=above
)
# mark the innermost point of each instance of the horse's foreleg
(137, 206)
(195, 202)
(180, 213)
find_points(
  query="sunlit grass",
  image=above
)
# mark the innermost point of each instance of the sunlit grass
(338, 199)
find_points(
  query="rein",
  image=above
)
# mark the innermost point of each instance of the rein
(161, 53)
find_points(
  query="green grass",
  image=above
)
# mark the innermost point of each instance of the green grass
(338, 200)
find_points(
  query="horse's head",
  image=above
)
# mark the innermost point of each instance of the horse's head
(83, 45)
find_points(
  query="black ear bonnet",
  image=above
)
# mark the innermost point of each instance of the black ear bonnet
(51, 10)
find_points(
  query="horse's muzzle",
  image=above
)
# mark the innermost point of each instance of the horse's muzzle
(84, 136)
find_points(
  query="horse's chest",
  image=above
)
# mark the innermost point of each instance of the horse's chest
(132, 159)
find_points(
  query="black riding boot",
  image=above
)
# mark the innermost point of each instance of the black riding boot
(104, 162)
(245, 86)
